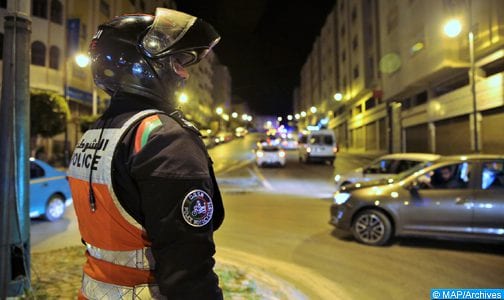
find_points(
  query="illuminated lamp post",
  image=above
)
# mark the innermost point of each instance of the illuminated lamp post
(452, 29)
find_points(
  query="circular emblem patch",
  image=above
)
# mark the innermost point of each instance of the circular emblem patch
(197, 208)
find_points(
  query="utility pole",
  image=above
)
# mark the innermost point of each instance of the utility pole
(14, 151)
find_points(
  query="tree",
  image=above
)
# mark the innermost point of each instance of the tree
(49, 114)
(86, 121)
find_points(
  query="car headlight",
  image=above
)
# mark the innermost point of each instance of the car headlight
(260, 154)
(337, 178)
(340, 198)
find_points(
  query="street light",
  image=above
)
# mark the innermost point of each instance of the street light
(338, 96)
(452, 29)
(219, 110)
(313, 109)
(83, 60)
(183, 98)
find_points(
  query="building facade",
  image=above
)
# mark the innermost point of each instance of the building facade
(403, 84)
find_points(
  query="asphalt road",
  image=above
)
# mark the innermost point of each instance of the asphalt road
(277, 222)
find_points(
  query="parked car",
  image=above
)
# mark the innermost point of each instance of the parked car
(223, 137)
(49, 191)
(269, 154)
(452, 197)
(240, 132)
(383, 167)
(207, 137)
(318, 145)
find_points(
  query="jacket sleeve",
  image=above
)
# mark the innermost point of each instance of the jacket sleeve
(176, 190)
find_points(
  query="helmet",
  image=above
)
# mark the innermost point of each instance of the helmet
(146, 55)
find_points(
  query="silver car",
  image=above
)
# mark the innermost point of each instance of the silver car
(383, 167)
(452, 197)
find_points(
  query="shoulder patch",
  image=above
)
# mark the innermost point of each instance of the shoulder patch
(197, 208)
(144, 130)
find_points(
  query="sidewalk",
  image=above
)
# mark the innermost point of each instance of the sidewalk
(56, 274)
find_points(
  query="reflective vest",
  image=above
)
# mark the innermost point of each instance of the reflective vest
(119, 261)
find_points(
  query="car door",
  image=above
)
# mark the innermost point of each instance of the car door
(38, 190)
(489, 199)
(436, 208)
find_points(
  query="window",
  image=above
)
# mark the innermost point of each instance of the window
(454, 176)
(405, 165)
(370, 103)
(494, 67)
(492, 176)
(343, 31)
(39, 8)
(132, 2)
(36, 171)
(54, 54)
(3, 3)
(384, 166)
(38, 50)
(321, 140)
(358, 109)
(105, 8)
(142, 5)
(343, 56)
(421, 98)
(356, 72)
(56, 12)
(354, 14)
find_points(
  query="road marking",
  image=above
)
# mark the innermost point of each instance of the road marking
(291, 281)
(258, 174)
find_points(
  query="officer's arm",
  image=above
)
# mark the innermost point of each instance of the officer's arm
(171, 171)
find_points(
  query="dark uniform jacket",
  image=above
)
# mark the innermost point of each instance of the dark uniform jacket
(151, 185)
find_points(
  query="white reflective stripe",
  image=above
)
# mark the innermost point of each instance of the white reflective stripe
(138, 259)
(45, 179)
(93, 290)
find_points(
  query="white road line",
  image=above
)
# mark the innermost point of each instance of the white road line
(256, 172)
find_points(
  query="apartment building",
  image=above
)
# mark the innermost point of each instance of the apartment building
(430, 79)
(404, 84)
(344, 60)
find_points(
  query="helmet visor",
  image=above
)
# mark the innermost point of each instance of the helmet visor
(169, 26)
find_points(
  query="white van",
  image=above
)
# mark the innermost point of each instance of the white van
(318, 145)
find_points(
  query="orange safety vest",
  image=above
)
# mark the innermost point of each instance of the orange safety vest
(119, 261)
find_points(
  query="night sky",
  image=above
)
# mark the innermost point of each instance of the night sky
(264, 43)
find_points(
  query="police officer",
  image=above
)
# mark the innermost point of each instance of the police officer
(143, 185)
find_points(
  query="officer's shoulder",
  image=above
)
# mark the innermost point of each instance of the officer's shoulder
(177, 124)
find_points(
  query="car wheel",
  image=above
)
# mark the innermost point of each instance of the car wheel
(55, 208)
(372, 227)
